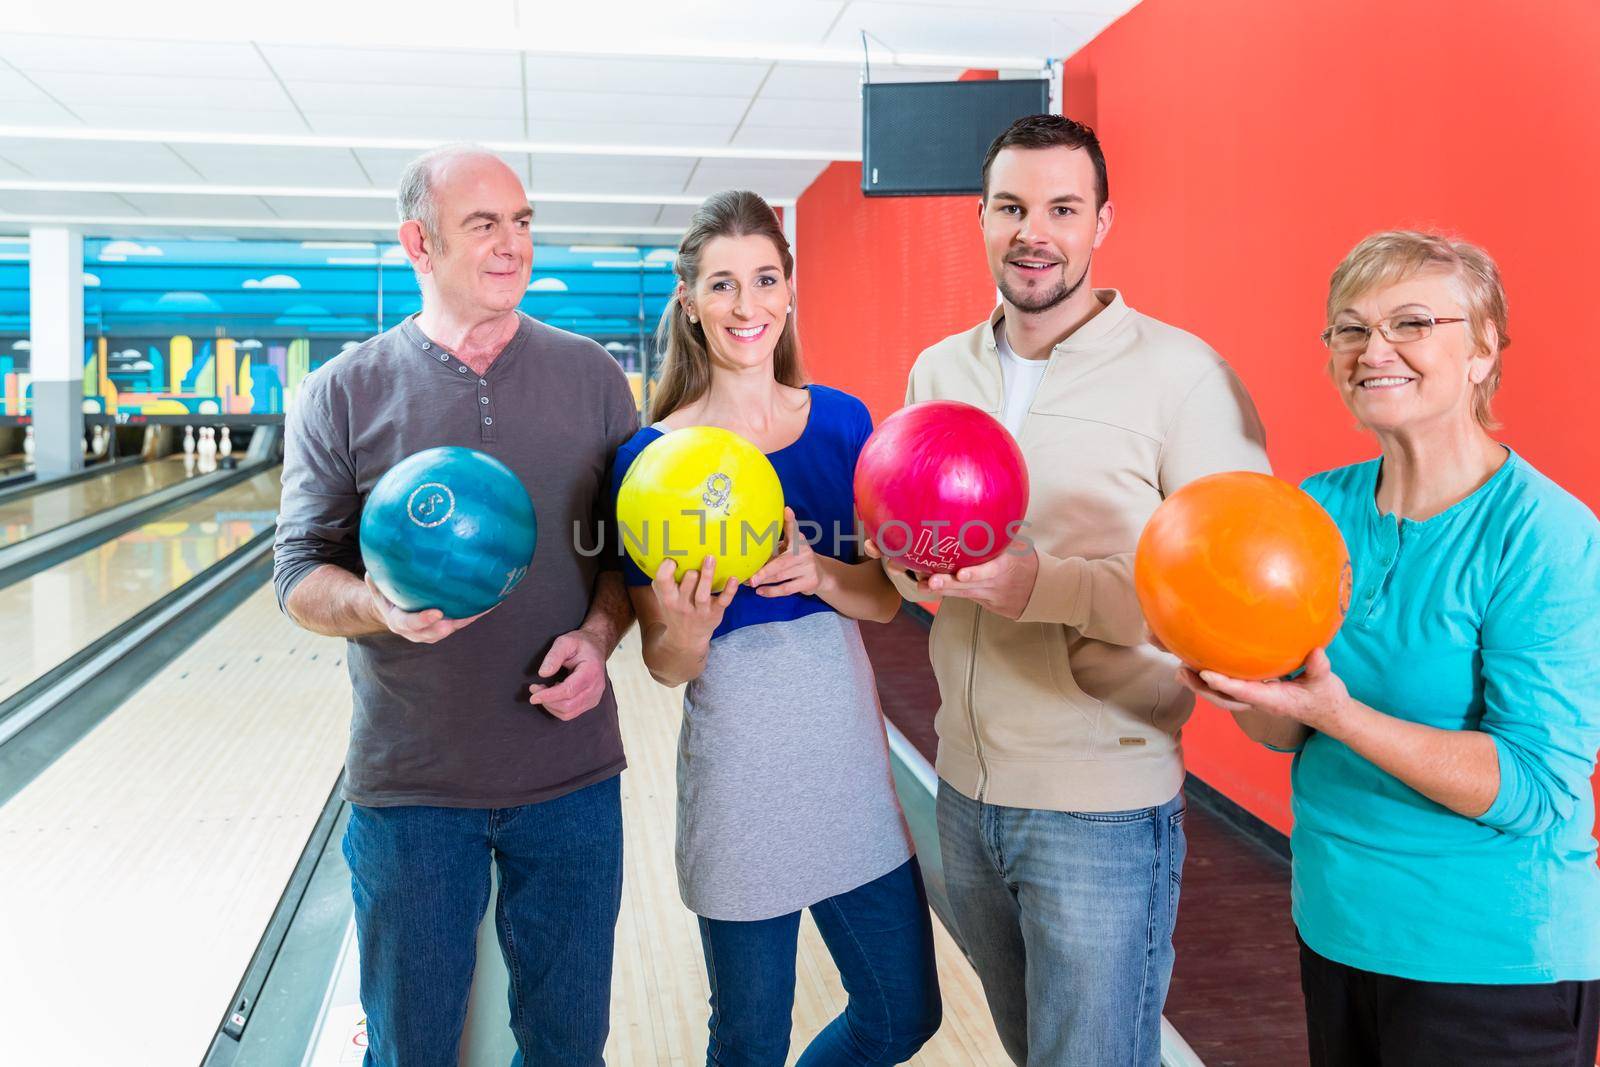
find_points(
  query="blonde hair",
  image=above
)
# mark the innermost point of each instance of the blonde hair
(1395, 255)
(686, 363)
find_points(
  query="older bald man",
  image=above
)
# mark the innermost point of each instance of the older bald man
(492, 739)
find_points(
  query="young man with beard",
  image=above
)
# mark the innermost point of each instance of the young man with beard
(1060, 795)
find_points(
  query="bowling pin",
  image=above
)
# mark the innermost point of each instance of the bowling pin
(99, 441)
(225, 447)
(207, 450)
(188, 440)
(27, 444)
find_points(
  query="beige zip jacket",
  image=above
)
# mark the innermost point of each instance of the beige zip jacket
(1068, 709)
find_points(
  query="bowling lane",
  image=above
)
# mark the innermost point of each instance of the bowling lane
(142, 866)
(156, 849)
(59, 611)
(51, 508)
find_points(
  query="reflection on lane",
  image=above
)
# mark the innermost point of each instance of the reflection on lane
(57, 612)
(56, 507)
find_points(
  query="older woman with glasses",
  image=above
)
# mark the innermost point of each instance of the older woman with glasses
(1445, 886)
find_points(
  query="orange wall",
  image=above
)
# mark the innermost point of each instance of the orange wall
(1250, 144)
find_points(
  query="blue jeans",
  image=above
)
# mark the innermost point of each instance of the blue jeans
(1068, 918)
(420, 877)
(881, 939)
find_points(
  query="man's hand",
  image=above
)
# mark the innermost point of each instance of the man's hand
(582, 654)
(421, 627)
(894, 566)
(1004, 585)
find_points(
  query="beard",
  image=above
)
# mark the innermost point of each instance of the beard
(1037, 300)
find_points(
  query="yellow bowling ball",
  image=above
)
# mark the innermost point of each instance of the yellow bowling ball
(697, 492)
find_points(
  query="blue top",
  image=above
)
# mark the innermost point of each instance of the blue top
(817, 472)
(1484, 617)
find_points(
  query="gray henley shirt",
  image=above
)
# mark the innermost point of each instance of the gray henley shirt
(449, 724)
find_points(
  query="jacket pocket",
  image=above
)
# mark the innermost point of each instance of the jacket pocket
(1029, 708)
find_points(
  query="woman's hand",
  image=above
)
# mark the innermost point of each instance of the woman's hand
(1316, 698)
(689, 610)
(794, 568)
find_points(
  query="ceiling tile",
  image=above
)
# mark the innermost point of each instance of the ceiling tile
(635, 108)
(967, 29)
(33, 203)
(805, 81)
(253, 165)
(122, 56)
(304, 207)
(395, 67)
(164, 91)
(717, 174)
(689, 77)
(94, 161)
(443, 128)
(195, 118)
(843, 115)
(40, 113)
(405, 100)
(14, 89)
(173, 205)
(631, 133)
(839, 143)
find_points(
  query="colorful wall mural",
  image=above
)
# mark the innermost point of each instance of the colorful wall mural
(222, 327)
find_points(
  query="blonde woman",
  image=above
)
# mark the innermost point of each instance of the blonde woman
(1445, 887)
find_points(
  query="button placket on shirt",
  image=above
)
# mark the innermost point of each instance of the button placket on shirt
(486, 431)
(1387, 552)
(485, 410)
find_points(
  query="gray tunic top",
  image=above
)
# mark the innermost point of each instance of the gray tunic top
(785, 796)
(449, 724)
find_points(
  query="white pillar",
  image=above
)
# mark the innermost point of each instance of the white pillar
(55, 317)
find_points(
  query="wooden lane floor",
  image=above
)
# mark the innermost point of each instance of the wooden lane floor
(50, 508)
(659, 996)
(141, 868)
(57, 612)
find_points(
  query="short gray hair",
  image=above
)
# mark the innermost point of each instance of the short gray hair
(416, 200)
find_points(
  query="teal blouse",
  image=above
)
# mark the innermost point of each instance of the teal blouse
(1484, 617)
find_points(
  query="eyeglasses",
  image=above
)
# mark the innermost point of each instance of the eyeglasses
(1347, 337)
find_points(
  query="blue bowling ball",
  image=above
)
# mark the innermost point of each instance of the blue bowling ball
(448, 528)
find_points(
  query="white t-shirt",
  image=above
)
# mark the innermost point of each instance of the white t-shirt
(1021, 378)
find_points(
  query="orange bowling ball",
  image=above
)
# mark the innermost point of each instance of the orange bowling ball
(1242, 574)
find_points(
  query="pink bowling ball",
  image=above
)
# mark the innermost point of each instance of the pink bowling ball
(941, 485)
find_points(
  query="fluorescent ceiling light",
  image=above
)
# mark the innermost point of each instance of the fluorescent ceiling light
(414, 144)
(332, 192)
(140, 221)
